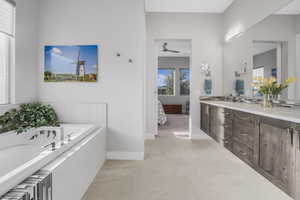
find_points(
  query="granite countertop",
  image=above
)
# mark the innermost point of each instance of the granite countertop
(282, 113)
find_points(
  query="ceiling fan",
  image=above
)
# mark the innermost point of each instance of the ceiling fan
(165, 48)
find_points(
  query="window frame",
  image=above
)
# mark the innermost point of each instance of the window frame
(174, 81)
(254, 89)
(180, 69)
(11, 59)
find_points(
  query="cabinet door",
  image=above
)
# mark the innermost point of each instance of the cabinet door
(227, 129)
(213, 124)
(245, 137)
(297, 163)
(216, 123)
(204, 121)
(277, 153)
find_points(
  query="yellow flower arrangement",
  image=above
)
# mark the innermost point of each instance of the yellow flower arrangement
(270, 86)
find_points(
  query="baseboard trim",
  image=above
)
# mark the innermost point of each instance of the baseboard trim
(149, 136)
(199, 136)
(113, 155)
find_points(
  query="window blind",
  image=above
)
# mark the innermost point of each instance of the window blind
(7, 23)
(7, 14)
(4, 68)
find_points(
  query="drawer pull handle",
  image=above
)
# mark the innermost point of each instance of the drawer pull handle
(226, 126)
(291, 132)
(243, 118)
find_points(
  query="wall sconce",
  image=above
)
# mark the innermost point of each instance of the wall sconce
(205, 69)
(241, 71)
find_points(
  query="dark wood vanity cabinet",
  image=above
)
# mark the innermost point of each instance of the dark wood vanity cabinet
(244, 137)
(204, 115)
(213, 122)
(277, 153)
(296, 134)
(216, 123)
(270, 146)
(228, 130)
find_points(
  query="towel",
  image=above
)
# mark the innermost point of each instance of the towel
(240, 87)
(208, 86)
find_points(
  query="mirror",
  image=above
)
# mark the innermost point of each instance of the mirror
(269, 60)
(268, 49)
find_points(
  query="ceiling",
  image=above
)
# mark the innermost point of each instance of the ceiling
(292, 9)
(188, 6)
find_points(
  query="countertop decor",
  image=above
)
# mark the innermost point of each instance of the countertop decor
(270, 88)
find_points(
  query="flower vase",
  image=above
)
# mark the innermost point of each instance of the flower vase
(266, 101)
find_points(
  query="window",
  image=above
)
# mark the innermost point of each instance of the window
(184, 81)
(7, 18)
(257, 73)
(166, 78)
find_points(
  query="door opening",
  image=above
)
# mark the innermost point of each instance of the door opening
(173, 88)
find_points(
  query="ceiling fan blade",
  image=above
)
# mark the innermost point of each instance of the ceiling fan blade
(165, 49)
(173, 51)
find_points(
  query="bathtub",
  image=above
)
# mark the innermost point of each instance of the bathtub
(21, 157)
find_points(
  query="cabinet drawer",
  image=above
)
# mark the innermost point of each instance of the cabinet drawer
(244, 132)
(243, 152)
(228, 115)
(246, 117)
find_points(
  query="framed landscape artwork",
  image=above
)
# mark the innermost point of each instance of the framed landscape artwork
(71, 63)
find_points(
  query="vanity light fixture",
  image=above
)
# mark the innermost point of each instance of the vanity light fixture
(235, 31)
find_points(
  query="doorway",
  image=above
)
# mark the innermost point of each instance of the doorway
(173, 88)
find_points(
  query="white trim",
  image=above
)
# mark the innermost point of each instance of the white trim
(150, 136)
(199, 136)
(113, 155)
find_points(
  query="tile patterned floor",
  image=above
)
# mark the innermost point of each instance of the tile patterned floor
(176, 168)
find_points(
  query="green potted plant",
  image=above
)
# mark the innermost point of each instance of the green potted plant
(28, 116)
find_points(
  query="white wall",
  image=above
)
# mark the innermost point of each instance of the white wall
(116, 26)
(205, 33)
(243, 14)
(298, 56)
(240, 50)
(24, 85)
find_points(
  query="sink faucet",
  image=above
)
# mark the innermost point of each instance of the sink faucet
(53, 133)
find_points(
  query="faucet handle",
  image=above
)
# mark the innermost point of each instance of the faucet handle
(52, 144)
(69, 138)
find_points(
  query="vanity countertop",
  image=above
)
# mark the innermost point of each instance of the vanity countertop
(282, 113)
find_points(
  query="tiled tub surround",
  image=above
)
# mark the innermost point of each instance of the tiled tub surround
(21, 160)
(268, 140)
